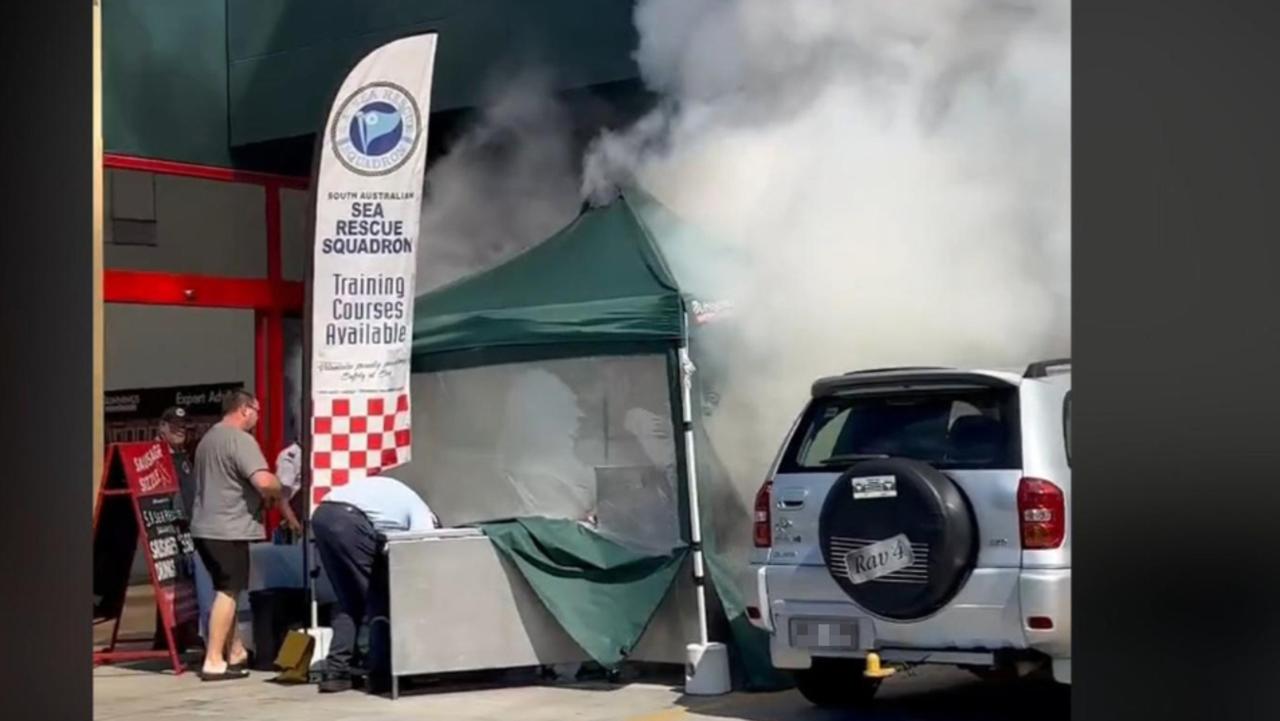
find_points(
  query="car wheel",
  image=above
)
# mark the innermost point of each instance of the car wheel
(836, 683)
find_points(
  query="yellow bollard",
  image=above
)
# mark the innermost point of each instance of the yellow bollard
(874, 670)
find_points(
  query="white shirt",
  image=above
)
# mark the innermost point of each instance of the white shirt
(288, 469)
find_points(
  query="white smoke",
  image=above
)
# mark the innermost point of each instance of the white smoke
(890, 180)
(510, 181)
(893, 175)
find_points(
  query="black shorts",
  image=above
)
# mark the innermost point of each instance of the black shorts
(228, 564)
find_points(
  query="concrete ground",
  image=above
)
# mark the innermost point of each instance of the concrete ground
(925, 695)
(138, 620)
(151, 691)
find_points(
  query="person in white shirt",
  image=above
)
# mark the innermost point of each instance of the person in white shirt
(348, 526)
(288, 470)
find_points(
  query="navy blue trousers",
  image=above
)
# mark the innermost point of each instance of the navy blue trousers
(350, 550)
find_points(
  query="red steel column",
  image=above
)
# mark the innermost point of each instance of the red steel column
(275, 324)
(260, 381)
(274, 399)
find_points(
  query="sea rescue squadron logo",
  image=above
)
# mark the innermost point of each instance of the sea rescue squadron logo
(376, 129)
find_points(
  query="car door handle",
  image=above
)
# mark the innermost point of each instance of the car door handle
(791, 499)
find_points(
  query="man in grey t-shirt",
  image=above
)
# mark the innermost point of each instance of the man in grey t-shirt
(234, 486)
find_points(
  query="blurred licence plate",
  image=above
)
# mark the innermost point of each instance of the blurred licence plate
(815, 633)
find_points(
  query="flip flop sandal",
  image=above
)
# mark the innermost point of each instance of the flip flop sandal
(240, 665)
(227, 675)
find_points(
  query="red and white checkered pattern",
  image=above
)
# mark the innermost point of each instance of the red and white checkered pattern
(354, 437)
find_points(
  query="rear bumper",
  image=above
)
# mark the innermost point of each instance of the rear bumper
(988, 615)
(1046, 594)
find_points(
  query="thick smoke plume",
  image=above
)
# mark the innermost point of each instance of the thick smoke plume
(510, 181)
(888, 182)
(891, 181)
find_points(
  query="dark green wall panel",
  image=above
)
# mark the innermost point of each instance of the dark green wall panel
(190, 79)
(287, 56)
(164, 70)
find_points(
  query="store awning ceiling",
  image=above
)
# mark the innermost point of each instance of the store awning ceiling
(285, 58)
(191, 80)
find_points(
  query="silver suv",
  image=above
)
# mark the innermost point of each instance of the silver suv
(919, 516)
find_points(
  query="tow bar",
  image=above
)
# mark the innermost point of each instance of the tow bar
(875, 670)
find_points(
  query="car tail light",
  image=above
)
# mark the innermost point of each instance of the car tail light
(763, 528)
(1043, 514)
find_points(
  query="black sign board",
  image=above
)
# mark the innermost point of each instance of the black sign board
(139, 504)
(171, 551)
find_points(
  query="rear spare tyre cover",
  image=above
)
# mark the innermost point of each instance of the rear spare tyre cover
(898, 536)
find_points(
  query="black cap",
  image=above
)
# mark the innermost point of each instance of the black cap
(174, 416)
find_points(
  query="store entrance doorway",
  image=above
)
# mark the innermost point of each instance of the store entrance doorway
(202, 334)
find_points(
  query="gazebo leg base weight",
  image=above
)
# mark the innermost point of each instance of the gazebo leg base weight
(707, 669)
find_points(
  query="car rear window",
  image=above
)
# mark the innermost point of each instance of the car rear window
(948, 428)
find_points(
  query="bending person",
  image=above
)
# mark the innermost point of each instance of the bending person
(348, 526)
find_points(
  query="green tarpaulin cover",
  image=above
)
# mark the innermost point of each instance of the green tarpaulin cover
(602, 593)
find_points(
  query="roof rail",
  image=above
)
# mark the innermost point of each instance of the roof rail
(896, 370)
(1040, 369)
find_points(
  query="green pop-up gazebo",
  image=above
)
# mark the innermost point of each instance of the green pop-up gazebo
(599, 297)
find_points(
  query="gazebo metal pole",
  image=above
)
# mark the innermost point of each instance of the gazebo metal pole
(691, 478)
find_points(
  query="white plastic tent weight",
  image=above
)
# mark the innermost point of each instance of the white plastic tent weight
(706, 671)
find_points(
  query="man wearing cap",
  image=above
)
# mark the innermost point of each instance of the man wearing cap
(175, 432)
(348, 526)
